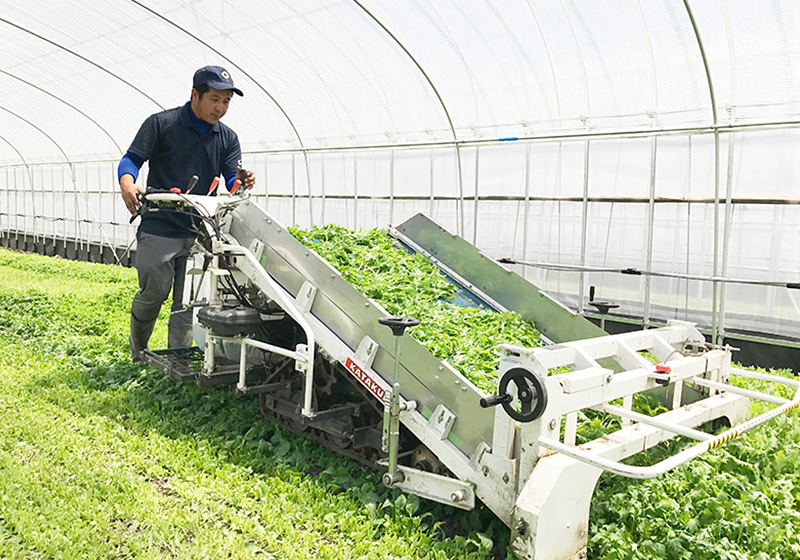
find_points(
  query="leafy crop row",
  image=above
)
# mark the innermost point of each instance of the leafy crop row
(740, 501)
(407, 284)
(101, 458)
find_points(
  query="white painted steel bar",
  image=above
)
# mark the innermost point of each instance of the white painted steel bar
(288, 304)
(740, 391)
(655, 422)
(245, 342)
(765, 377)
(686, 455)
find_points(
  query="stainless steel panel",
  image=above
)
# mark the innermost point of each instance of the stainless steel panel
(351, 316)
(553, 320)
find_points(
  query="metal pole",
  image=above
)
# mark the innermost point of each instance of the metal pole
(651, 216)
(475, 207)
(526, 211)
(355, 192)
(294, 193)
(322, 186)
(726, 235)
(714, 327)
(431, 184)
(584, 225)
(391, 187)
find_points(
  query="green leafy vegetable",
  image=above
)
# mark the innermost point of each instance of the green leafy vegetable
(407, 284)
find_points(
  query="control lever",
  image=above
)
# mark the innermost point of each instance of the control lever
(192, 184)
(602, 307)
(494, 400)
(390, 442)
(238, 182)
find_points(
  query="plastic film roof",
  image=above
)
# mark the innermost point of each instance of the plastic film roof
(78, 77)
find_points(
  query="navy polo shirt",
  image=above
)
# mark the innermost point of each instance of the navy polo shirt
(176, 151)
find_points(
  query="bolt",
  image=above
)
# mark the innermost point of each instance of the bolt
(521, 527)
(390, 479)
(458, 496)
(485, 471)
(506, 478)
(458, 382)
(553, 424)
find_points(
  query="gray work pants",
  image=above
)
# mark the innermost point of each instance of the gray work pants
(161, 266)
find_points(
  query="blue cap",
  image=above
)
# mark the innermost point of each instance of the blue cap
(215, 77)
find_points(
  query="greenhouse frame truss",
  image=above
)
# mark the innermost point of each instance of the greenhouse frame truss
(644, 154)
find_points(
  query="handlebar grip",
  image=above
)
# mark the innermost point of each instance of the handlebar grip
(494, 400)
(140, 196)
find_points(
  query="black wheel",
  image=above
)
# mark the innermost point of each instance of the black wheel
(531, 395)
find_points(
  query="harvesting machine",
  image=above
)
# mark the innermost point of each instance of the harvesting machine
(279, 322)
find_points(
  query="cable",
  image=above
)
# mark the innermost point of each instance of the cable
(636, 272)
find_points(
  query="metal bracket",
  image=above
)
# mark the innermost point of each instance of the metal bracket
(441, 421)
(305, 297)
(366, 352)
(257, 248)
(436, 487)
(302, 365)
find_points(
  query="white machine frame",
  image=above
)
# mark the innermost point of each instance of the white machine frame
(537, 481)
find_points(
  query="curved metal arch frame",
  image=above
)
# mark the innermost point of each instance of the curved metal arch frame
(68, 104)
(80, 56)
(425, 75)
(256, 82)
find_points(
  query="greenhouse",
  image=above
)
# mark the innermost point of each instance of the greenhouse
(573, 167)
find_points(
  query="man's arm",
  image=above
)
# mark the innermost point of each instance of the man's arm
(248, 181)
(232, 166)
(127, 172)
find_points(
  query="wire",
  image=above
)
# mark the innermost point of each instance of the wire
(62, 219)
(203, 213)
(636, 272)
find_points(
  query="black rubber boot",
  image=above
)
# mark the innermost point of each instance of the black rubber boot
(139, 338)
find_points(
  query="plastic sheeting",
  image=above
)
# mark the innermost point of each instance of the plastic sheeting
(659, 135)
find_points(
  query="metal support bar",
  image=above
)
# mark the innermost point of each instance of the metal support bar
(687, 454)
(654, 421)
(298, 356)
(289, 305)
(740, 391)
(442, 489)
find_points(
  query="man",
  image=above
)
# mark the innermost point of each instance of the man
(178, 143)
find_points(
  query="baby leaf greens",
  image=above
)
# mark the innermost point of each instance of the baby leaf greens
(407, 284)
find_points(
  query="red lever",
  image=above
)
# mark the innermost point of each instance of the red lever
(663, 368)
(214, 184)
(175, 190)
(236, 184)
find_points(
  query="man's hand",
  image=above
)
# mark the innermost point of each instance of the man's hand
(130, 191)
(249, 180)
